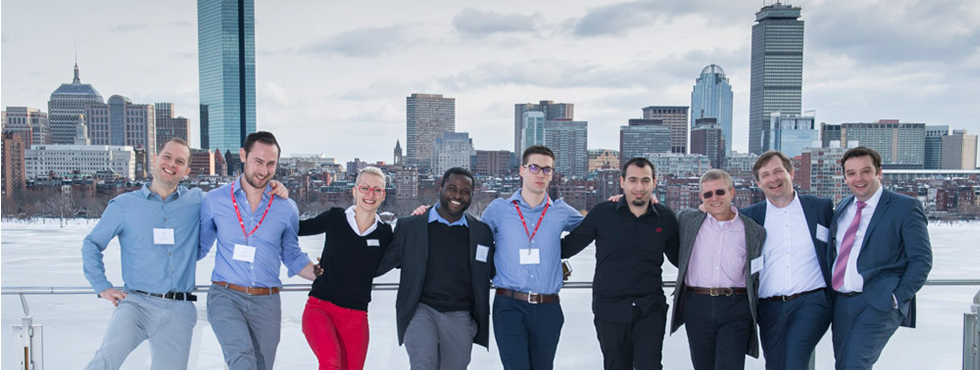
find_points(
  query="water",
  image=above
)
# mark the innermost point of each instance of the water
(47, 253)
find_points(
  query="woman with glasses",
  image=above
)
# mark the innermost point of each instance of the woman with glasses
(335, 319)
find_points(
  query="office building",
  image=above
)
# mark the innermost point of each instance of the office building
(452, 149)
(708, 138)
(826, 179)
(712, 98)
(603, 159)
(552, 111)
(104, 161)
(901, 145)
(677, 165)
(739, 165)
(67, 107)
(570, 142)
(168, 126)
(31, 124)
(829, 133)
(122, 123)
(494, 163)
(226, 72)
(790, 134)
(934, 146)
(406, 181)
(643, 136)
(202, 163)
(428, 117)
(676, 119)
(14, 171)
(959, 151)
(777, 69)
(533, 133)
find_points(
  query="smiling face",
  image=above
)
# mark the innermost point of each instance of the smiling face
(171, 163)
(370, 200)
(862, 177)
(775, 180)
(455, 194)
(260, 164)
(719, 206)
(537, 182)
(638, 185)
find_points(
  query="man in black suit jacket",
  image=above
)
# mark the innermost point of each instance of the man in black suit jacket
(446, 261)
(795, 306)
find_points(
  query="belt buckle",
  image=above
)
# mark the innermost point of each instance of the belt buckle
(787, 298)
(530, 299)
(717, 292)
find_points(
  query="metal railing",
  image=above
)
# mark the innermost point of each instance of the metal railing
(31, 335)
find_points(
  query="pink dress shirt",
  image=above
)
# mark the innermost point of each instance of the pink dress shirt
(718, 254)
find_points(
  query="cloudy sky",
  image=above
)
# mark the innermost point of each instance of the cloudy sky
(332, 77)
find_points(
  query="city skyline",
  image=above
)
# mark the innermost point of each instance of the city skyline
(337, 68)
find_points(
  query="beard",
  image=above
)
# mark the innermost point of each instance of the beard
(251, 181)
(639, 202)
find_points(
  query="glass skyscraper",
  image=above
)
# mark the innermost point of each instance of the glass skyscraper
(777, 70)
(226, 62)
(712, 98)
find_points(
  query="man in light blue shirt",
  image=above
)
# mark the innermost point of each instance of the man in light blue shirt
(255, 232)
(527, 228)
(157, 228)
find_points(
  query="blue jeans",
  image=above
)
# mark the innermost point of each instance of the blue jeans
(167, 324)
(247, 327)
(527, 334)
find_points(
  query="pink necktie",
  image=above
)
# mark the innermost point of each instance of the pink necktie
(845, 247)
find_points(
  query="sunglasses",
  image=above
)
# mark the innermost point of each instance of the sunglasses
(719, 192)
(364, 189)
(536, 170)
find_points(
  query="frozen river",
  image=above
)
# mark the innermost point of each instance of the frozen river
(46, 253)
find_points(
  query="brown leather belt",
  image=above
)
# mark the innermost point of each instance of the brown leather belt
(716, 292)
(532, 298)
(787, 298)
(248, 289)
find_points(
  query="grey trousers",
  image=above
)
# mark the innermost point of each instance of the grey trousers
(247, 327)
(439, 340)
(167, 324)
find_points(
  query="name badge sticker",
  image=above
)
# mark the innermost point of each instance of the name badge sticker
(823, 234)
(373, 243)
(481, 252)
(163, 236)
(244, 253)
(758, 264)
(530, 256)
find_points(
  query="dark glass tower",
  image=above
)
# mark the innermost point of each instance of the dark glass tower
(777, 69)
(226, 62)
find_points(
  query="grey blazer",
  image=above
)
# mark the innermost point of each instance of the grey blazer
(690, 221)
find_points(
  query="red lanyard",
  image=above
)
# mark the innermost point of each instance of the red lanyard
(240, 222)
(530, 236)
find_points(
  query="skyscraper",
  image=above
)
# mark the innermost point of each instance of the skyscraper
(676, 119)
(643, 136)
(31, 124)
(226, 68)
(552, 111)
(452, 149)
(66, 107)
(122, 123)
(570, 141)
(707, 138)
(777, 69)
(901, 145)
(533, 133)
(790, 134)
(168, 126)
(959, 151)
(712, 98)
(428, 116)
(934, 145)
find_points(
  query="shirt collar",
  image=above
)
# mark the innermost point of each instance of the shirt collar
(796, 201)
(238, 186)
(352, 221)
(873, 201)
(723, 223)
(434, 216)
(517, 196)
(622, 204)
(145, 192)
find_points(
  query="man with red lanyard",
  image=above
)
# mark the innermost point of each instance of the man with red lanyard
(256, 231)
(527, 228)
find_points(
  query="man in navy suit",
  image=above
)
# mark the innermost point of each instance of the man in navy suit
(795, 306)
(880, 258)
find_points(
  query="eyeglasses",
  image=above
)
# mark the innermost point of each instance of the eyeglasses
(719, 192)
(364, 189)
(535, 169)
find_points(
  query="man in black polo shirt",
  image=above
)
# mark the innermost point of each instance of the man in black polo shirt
(443, 299)
(632, 236)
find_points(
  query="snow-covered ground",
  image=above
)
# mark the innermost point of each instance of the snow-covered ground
(46, 253)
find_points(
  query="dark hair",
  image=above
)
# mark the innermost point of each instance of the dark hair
(179, 141)
(765, 157)
(862, 151)
(641, 163)
(536, 149)
(263, 137)
(457, 171)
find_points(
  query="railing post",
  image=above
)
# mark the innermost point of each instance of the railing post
(971, 336)
(31, 340)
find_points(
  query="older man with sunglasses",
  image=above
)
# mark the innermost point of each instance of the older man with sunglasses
(717, 278)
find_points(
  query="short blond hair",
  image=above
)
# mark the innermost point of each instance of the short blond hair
(716, 174)
(371, 170)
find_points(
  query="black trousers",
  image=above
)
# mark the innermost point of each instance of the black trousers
(718, 330)
(635, 345)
